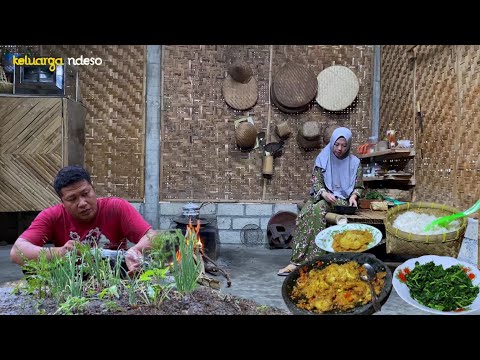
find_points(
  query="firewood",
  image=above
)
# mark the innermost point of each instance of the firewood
(211, 269)
(208, 281)
(223, 272)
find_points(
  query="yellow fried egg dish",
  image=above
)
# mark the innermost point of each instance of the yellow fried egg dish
(337, 287)
(352, 241)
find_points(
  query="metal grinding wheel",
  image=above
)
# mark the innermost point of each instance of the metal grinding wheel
(251, 235)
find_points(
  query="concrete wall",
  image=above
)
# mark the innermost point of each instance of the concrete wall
(231, 217)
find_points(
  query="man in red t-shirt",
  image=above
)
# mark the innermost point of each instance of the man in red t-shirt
(82, 217)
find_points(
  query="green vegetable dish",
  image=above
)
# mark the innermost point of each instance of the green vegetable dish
(441, 289)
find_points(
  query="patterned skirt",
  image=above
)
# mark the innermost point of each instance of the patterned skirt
(310, 221)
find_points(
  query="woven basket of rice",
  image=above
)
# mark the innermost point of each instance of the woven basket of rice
(405, 243)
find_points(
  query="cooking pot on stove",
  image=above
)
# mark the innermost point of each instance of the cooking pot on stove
(190, 209)
(190, 213)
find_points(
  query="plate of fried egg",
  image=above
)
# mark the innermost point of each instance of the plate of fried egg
(348, 238)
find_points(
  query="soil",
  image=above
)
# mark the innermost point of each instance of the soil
(203, 301)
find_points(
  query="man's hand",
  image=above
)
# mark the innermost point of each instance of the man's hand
(68, 246)
(329, 197)
(134, 260)
(24, 250)
(62, 250)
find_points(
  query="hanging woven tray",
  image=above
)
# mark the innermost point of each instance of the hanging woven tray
(294, 86)
(337, 88)
(238, 95)
(284, 108)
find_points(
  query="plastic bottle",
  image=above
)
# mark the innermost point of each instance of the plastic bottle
(391, 137)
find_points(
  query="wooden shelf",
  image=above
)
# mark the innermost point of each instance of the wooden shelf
(373, 178)
(390, 154)
(402, 156)
(408, 181)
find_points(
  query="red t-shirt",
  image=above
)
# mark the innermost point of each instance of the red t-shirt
(116, 221)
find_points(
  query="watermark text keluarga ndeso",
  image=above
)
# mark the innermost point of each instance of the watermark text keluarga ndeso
(53, 62)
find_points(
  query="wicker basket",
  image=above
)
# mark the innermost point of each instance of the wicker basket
(404, 243)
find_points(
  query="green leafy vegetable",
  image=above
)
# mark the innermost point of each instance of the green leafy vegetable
(441, 289)
(373, 195)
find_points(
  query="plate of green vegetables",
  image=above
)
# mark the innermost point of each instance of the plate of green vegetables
(439, 285)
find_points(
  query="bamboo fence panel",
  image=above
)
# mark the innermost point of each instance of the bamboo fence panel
(114, 96)
(437, 94)
(446, 86)
(199, 157)
(396, 94)
(468, 145)
(292, 171)
(30, 152)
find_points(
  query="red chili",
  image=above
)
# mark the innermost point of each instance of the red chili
(406, 270)
(402, 277)
(471, 276)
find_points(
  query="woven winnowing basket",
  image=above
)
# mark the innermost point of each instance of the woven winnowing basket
(404, 243)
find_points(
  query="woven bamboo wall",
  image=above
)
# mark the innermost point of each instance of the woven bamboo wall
(29, 160)
(447, 87)
(113, 94)
(200, 160)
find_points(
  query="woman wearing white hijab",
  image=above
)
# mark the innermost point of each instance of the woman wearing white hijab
(336, 180)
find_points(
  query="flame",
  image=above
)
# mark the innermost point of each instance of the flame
(193, 232)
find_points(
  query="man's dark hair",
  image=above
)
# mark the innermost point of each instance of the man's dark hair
(70, 175)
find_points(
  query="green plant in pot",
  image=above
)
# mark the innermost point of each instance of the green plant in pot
(370, 196)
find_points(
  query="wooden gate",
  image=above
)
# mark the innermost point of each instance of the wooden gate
(38, 136)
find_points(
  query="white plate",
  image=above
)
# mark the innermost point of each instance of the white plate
(403, 291)
(324, 239)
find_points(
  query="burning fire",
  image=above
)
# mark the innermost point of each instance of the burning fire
(194, 233)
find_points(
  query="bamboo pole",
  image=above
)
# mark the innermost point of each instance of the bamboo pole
(269, 115)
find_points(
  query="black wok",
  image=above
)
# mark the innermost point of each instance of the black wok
(339, 258)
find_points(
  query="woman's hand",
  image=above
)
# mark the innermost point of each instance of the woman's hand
(353, 200)
(329, 197)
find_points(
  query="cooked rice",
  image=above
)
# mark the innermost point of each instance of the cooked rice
(414, 223)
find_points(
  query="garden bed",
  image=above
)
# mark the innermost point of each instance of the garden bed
(203, 301)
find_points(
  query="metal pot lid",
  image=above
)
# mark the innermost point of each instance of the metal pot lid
(191, 206)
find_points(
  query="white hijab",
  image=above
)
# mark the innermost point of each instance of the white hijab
(340, 174)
